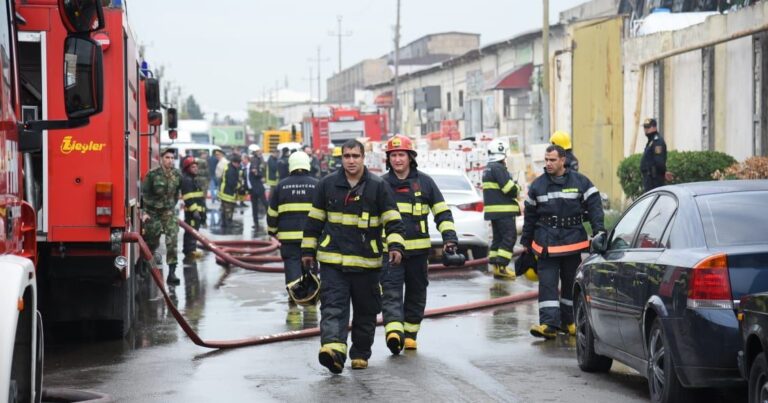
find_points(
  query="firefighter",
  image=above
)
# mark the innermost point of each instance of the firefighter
(194, 206)
(160, 192)
(501, 208)
(203, 178)
(563, 139)
(553, 230)
(282, 163)
(272, 175)
(231, 190)
(653, 165)
(415, 194)
(289, 204)
(255, 184)
(335, 163)
(343, 233)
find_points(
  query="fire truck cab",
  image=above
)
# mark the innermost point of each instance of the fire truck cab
(326, 127)
(79, 67)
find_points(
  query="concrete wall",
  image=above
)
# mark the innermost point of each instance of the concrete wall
(682, 114)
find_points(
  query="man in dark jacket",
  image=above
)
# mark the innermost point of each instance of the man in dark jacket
(653, 165)
(415, 194)
(255, 184)
(282, 163)
(344, 233)
(289, 205)
(272, 174)
(501, 208)
(553, 230)
(194, 207)
(231, 190)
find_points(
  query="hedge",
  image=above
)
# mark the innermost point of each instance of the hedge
(686, 166)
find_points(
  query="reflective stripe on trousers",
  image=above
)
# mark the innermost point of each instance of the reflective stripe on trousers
(556, 309)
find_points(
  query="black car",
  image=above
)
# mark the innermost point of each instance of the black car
(659, 292)
(753, 364)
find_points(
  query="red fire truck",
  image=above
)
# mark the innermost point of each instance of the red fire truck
(76, 63)
(327, 126)
(87, 179)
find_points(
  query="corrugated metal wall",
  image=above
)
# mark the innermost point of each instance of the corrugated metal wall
(598, 122)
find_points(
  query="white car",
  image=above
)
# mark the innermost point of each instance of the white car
(466, 205)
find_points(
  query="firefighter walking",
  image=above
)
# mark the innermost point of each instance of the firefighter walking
(343, 233)
(160, 191)
(501, 208)
(193, 195)
(415, 194)
(231, 190)
(553, 230)
(289, 205)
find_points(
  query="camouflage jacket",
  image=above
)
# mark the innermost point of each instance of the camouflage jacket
(160, 190)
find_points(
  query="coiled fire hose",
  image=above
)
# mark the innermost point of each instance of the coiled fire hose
(157, 276)
(246, 258)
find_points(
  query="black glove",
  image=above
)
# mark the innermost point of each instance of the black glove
(196, 216)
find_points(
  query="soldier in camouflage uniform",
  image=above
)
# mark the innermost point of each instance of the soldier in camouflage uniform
(160, 190)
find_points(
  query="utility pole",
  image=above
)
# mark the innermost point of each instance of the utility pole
(310, 78)
(395, 98)
(545, 72)
(339, 34)
(319, 60)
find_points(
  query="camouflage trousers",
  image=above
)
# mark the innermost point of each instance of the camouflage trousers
(162, 222)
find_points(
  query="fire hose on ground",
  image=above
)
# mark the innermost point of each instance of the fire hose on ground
(246, 258)
(157, 276)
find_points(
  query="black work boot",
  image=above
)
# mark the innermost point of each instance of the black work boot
(172, 279)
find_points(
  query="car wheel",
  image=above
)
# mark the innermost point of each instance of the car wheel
(589, 360)
(758, 380)
(479, 252)
(663, 383)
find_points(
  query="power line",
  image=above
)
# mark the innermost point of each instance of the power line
(319, 60)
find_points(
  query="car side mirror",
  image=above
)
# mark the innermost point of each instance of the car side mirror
(152, 93)
(83, 69)
(599, 244)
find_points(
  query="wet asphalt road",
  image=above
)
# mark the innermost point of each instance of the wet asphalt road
(485, 355)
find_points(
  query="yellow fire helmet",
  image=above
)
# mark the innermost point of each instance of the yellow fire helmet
(336, 152)
(562, 139)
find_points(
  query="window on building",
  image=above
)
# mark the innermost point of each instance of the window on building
(448, 102)
(461, 98)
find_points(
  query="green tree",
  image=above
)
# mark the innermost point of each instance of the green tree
(192, 109)
(262, 120)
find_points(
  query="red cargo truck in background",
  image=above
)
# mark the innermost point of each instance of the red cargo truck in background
(87, 180)
(334, 126)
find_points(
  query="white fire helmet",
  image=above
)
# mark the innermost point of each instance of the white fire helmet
(253, 148)
(497, 150)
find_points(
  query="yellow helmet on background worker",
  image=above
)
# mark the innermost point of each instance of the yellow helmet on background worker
(336, 152)
(299, 160)
(562, 139)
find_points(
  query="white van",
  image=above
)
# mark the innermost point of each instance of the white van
(194, 149)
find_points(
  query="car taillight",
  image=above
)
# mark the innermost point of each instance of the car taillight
(103, 203)
(476, 206)
(709, 285)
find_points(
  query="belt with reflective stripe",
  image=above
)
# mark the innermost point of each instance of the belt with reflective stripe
(290, 235)
(349, 260)
(502, 208)
(574, 247)
(192, 195)
(294, 207)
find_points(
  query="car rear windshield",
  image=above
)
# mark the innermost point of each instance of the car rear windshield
(737, 218)
(451, 182)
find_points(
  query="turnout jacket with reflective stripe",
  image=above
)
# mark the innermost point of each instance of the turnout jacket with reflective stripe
(232, 186)
(553, 214)
(499, 192)
(192, 194)
(289, 205)
(344, 225)
(415, 196)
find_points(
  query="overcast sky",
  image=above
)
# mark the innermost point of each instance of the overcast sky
(226, 52)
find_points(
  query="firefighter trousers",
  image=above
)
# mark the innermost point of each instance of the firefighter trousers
(504, 238)
(256, 198)
(337, 288)
(190, 242)
(291, 254)
(405, 314)
(554, 311)
(227, 211)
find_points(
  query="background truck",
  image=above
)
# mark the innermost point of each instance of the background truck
(334, 126)
(77, 61)
(271, 138)
(86, 181)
